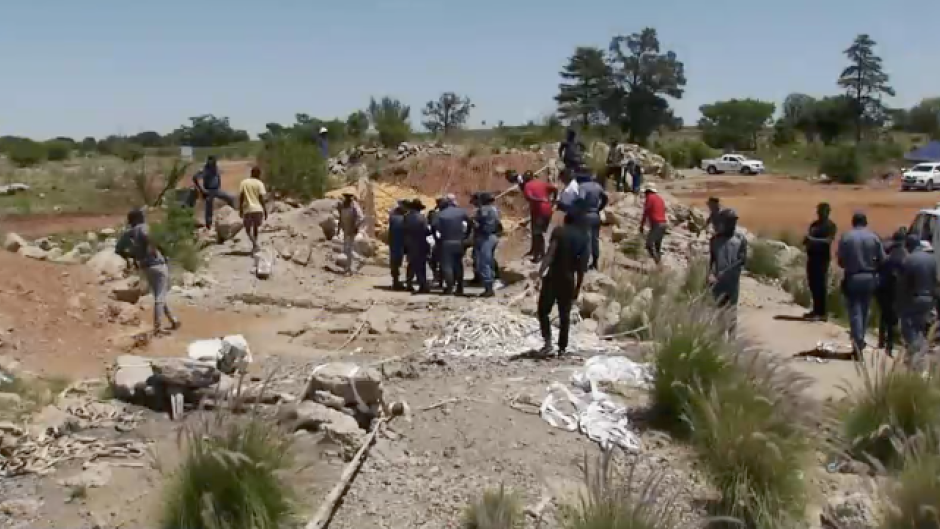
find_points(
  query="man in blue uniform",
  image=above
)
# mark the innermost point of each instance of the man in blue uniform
(860, 255)
(451, 227)
(396, 243)
(416, 246)
(487, 228)
(917, 286)
(594, 201)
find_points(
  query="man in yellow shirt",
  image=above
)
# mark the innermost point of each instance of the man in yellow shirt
(251, 205)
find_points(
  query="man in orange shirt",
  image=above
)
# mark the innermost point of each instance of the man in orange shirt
(654, 211)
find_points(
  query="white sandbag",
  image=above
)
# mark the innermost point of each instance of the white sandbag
(611, 369)
(231, 353)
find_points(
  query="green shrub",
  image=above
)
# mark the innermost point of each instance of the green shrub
(57, 151)
(129, 152)
(843, 164)
(892, 403)
(495, 509)
(913, 501)
(613, 500)
(294, 168)
(763, 260)
(698, 151)
(230, 476)
(633, 247)
(26, 153)
(175, 236)
(685, 154)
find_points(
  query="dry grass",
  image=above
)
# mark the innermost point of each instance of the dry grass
(913, 501)
(495, 509)
(763, 261)
(34, 393)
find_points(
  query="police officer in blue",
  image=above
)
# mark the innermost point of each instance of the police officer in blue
(416, 246)
(435, 255)
(595, 200)
(487, 228)
(396, 242)
(451, 227)
(860, 255)
(917, 287)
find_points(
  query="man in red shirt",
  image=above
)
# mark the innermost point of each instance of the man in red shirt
(654, 211)
(540, 196)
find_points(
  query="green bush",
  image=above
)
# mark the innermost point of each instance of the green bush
(843, 164)
(26, 153)
(230, 476)
(129, 152)
(913, 501)
(57, 151)
(685, 154)
(294, 168)
(175, 236)
(763, 260)
(495, 509)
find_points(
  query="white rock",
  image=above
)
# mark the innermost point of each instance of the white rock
(13, 242)
(108, 232)
(83, 248)
(108, 265)
(348, 380)
(227, 223)
(590, 302)
(129, 375)
(365, 245)
(34, 252)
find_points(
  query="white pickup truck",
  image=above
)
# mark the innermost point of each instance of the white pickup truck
(733, 163)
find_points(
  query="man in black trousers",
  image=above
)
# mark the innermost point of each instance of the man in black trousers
(818, 244)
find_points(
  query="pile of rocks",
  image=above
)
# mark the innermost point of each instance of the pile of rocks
(652, 163)
(357, 156)
(46, 249)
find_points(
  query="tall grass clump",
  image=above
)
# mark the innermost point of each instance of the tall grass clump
(646, 295)
(892, 403)
(175, 236)
(294, 168)
(763, 260)
(695, 281)
(614, 500)
(495, 509)
(913, 501)
(230, 476)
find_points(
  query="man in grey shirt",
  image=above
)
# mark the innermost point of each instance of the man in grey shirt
(452, 227)
(728, 255)
(917, 284)
(595, 200)
(860, 255)
(135, 243)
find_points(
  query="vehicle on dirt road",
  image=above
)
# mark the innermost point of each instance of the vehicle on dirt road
(922, 176)
(927, 225)
(733, 163)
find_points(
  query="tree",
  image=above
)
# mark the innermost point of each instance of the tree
(643, 78)
(865, 82)
(390, 117)
(58, 150)
(833, 117)
(89, 144)
(357, 125)
(735, 123)
(924, 117)
(147, 139)
(586, 83)
(448, 113)
(798, 114)
(209, 131)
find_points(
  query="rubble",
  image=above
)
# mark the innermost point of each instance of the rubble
(227, 223)
(13, 242)
(108, 265)
(358, 386)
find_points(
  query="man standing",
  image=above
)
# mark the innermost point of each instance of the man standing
(570, 151)
(451, 227)
(614, 166)
(562, 273)
(209, 183)
(135, 243)
(416, 246)
(918, 283)
(540, 196)
(435, 254)
(714, 208)
(569, 193)
(654, 211)
(860, 254)
(818, 244)
(486, 231)
(396, 243)
(350, 220)
(323, 143)
(251, 205)
(887, 292)
(595, 200)
(636, 173)
(728, 255)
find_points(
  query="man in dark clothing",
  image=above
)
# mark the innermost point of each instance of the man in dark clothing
(636, 172)
(540, 196)
(416, 247)
(562, 273)
(917, 285)
(594, 201)
(137, 245)
(451, 227)
(209, 184)
(614, 167)
(728, 255)
(570, 151)
(818, 244)
(396, 243)
(714, 208)
(323, 143)
(860, 255)
(435, 260)
(487, 227)
(887, 292)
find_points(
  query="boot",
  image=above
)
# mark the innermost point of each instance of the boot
(488, 293)
(397, 285)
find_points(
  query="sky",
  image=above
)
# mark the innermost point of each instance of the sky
(100, 67)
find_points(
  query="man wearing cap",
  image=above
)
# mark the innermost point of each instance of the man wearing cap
(451, 227)
(350, 220)
(416, 246)
(727, 257)
(818, 244)
(860, 254)
(917, 286)
(654, 211)
(487, 228)
(136, 244)
(540, 196)
(595, 200)
(396, 242)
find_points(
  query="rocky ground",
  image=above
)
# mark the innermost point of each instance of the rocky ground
(474, 422)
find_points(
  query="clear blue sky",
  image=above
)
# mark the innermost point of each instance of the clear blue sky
(98, 67)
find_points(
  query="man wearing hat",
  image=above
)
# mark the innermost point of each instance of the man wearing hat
(416, 246)
(396, 242)
(728, 255)
(451, 227)
(654, 212)
(435, 254)
(487, 229)
(350, 220)
(918, 284)
(860, 254)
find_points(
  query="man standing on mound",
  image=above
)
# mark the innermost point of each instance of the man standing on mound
(251, 205)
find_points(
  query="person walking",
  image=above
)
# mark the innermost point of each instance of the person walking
(728, 255)
(487, 228)
(208, 182)
(452, 227)
(251, 205)
(350, 220)
(594, 201)
(917, 287)
(540, 196)
(860, 254)
(416, 247)
(136, 244)
(636, 174)
(654, 212)
(562, 273)
(614, 166)
(396, 243)
(818, 245)
(887, 292)
(571, 151)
